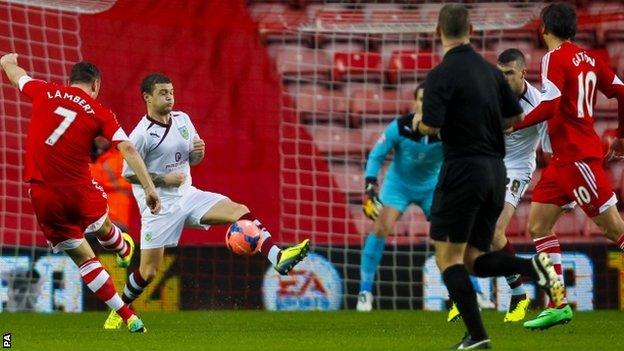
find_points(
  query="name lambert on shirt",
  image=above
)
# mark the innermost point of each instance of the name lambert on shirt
(73, 98)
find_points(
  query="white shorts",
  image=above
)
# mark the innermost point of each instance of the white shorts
(165, 228)
(517, 184)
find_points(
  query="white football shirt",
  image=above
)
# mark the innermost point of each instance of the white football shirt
(165, 149)
(521, 145)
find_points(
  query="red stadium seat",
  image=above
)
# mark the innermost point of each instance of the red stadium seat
(376, 103)
(296, 62)
(605, 107)
(328, 18)
(317, 103)
(354, 66)
(371, 133)
(333, 140)
(350, 180)
(405, 66)
(277, 22)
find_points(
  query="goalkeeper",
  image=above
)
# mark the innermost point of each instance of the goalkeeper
(411, 178)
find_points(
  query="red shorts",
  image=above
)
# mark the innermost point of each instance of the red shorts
(65, 213)
(584, 182)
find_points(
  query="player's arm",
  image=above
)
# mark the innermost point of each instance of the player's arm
(169, 180)
(611, 85)
(372, 205)
(436, 97)
(553, 79)
(510, 107)
(198, 152)
(12, 70)
(134, 160)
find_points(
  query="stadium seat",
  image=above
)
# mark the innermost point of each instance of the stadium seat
(350, 180)
(357, 66)
(371, 131)
(316, 103)
(338, 45)
(296, 62)
(277, 22)
(363, 224)
(327, 18)
(409, 66)
(605, 107)
(381, 105)
(334, 140)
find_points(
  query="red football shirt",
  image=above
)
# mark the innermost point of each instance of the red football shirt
(64, 122)
(570, 80)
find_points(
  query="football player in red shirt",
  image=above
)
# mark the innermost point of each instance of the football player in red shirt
(570, 78)
(67, 202)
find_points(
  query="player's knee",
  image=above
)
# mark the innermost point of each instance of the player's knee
(383, 228)
(538, 230)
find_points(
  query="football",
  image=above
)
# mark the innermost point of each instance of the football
(243, 238)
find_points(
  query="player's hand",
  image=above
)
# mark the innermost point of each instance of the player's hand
(199, 148)
(509, 130)
(616, 150)
(152, 200)
(8, 58)
(174, 179)
(372, 205)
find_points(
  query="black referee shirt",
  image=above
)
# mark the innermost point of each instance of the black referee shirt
(467, 97)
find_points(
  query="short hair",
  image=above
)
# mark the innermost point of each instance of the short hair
(420, 86)
(560, 20)
(84, 72)
(147, 86)
(511, 55)
(454, 20)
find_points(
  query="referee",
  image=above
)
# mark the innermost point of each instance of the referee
(468, 102)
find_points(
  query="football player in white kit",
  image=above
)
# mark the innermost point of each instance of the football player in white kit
(520, 163)
(169, 144)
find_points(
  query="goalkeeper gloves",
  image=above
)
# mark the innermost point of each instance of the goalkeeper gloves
(372, 205)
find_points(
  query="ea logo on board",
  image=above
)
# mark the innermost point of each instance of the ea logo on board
(314, 284)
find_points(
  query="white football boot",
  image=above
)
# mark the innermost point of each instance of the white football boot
(365, 301)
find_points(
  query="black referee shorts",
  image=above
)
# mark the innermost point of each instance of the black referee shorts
(468, 199)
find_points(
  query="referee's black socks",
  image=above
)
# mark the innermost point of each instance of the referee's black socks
(462, 293)
(497, 264)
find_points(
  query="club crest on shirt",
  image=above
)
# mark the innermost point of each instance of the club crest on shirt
(184, 132)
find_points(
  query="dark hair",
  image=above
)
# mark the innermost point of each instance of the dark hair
(419, 87)
(560, 20)
(511, 55)
(454, 21)
(84, 72)
(147, 86)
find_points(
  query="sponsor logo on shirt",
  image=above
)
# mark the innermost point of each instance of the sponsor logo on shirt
(184, 132)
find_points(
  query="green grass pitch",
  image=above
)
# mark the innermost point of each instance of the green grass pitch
(296, 331)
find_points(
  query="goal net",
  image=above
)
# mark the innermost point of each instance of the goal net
(347, 71)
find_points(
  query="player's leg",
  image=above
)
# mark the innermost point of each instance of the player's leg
(372, 253)
(99, 281)
(453, 213)
(63, 214)
(218, 209)
(112, 238)
(395, 200)
(549, 204)
(519, 300)
(612, 225)
(138, 280)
